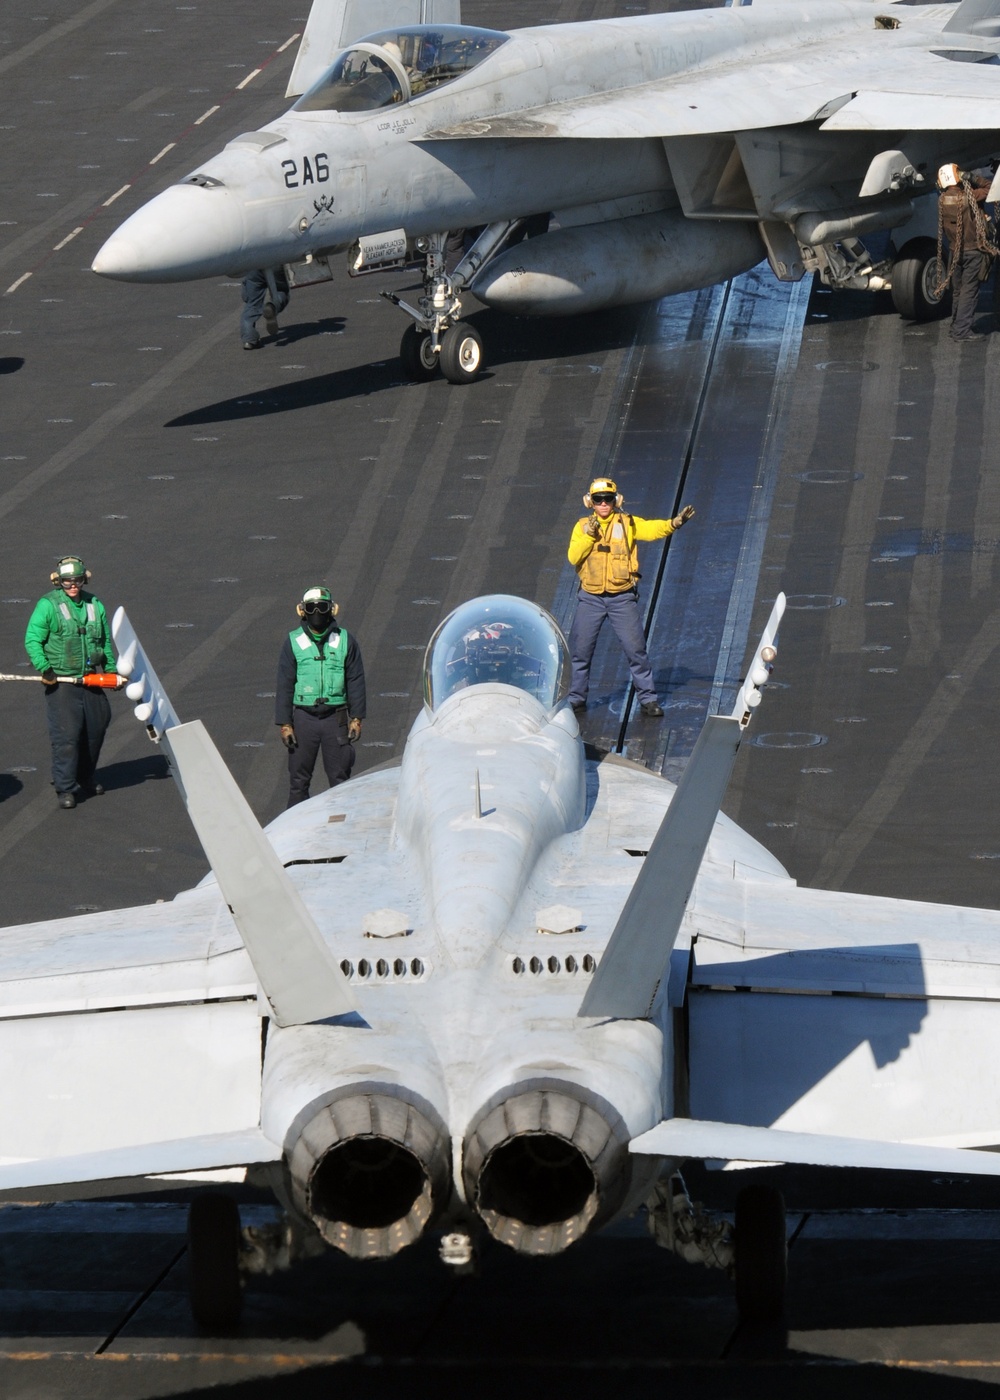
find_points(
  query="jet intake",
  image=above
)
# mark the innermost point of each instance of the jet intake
(370, 1169)
(545, 1165)
(594, 266)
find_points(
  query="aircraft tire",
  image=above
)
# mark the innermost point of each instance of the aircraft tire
(461, 354)
(213, 1236)
(914, 274)
(761, 1255)
(416, 353)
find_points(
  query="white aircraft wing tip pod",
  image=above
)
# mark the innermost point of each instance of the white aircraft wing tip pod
(739, 1142)
(637, 956)
(153, 707)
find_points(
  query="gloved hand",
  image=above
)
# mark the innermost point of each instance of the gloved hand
(354, 730)
(686, 514)
(288, 737)
(593, 528)
(49, 676)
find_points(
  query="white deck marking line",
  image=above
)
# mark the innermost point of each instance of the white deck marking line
(296, 35)
(68, 239)
(248, 79)
(117, 195)
(14, 285)
(163, 152)
(205, 115)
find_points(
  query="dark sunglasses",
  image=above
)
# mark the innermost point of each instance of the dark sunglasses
(603, 498)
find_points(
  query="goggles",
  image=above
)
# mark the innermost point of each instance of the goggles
(321, 607)
(603, 498)
(75, 581)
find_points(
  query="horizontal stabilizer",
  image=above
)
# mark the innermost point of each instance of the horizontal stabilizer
(206, 1153)
(737, 1142)
(295, 968)
(333, 24)
(638, 952)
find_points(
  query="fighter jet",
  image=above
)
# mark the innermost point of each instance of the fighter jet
(497, 988)
(646, 155)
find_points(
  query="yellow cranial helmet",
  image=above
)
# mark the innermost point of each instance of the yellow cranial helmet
(602, 486)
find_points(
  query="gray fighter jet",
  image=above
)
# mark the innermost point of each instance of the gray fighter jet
(494, 988)
(641, 156)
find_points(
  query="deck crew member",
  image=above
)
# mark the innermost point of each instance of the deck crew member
(962, 218)
(68, 635)
(603, 551)
(320, 695)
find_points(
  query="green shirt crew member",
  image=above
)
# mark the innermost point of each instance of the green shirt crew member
(68, 635)
(320, 695)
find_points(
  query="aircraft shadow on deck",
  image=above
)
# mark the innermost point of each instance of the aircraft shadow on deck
(133, 772)
(509, 340)
(9, 786)
(10, 364)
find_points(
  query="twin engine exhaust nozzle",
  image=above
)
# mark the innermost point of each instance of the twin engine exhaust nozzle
(541, 1167)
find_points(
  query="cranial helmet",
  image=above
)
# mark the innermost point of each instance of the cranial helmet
(948, 176)
(70, 566)
(317, 601)
(603, 485)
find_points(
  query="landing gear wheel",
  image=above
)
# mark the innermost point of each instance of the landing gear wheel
(914, 282)
(213, 1234)
(461, 354)
(416, 352)
(761, 1257)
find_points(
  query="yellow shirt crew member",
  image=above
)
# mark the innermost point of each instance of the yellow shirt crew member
(603, 551)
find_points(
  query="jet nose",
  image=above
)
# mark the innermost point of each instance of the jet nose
(187, 231)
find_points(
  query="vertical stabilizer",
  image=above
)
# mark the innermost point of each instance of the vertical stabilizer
(636, 958)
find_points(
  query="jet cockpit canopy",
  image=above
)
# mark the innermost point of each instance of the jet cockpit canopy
(397, 64)
(497, 638)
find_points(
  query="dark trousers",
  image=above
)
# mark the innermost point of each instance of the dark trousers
(327, 735)
(255, 293)
(622, 611)
(965, 284)
(78, 721)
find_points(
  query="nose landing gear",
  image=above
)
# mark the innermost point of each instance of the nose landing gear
(438, 339)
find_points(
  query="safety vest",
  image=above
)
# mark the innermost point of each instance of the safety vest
(319, 667)
(75, 634)
(612, 566)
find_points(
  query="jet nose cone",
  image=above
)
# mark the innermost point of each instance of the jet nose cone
(187, 231)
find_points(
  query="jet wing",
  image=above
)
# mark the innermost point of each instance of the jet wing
(815, 1011)
(848, 90)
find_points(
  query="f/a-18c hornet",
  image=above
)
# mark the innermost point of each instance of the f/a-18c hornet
(647, 155)
(493, 988)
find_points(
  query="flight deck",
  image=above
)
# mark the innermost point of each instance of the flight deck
(830, 449)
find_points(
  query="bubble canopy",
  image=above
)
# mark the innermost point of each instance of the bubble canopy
(395, 65)
(498, 638)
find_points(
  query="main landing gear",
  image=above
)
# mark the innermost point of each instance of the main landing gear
(915, 277)
(438, 339)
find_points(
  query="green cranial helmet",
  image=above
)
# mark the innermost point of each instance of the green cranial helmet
(70, 567)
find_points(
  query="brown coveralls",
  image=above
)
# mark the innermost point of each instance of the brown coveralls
(967, 258)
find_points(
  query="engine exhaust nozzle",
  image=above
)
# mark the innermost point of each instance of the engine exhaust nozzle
(370, 1169)
(545, 1165)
